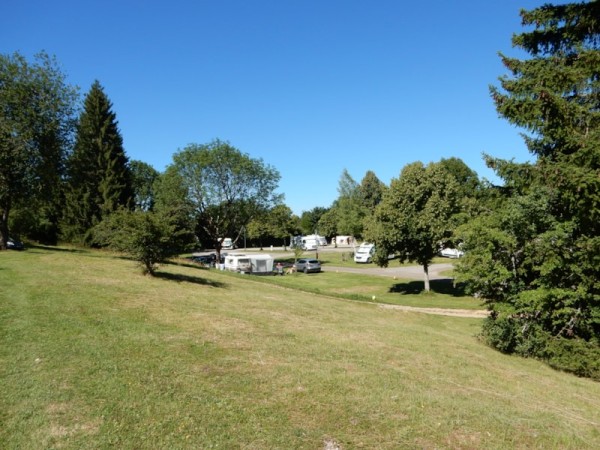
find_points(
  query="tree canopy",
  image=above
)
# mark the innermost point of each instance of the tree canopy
(535, 257)
(226, 187)
(143, 177)
(99, 179)
(413, 218)
(37, 111)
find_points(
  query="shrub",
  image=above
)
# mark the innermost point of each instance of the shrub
(140, 234)
(574, 355)
(500, 333)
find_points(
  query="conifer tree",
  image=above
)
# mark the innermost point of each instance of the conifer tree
(538, 267)
(99, 178)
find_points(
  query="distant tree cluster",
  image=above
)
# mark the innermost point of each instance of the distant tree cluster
(66, 176)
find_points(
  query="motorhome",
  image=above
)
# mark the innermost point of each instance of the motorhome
(244, 263)
(227, 244)
(364, 253)
(313, 242)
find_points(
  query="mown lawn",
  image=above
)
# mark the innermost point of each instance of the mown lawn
(95, 355)
(378, 289)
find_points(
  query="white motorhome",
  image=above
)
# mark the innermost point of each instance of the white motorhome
(364, 253)
(313, 241)
(227, 244)
(244, 263)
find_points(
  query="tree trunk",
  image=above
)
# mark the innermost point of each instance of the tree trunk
(4, 225)
(426, 277)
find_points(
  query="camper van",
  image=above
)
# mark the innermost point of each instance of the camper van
(227, 244)
(364, 253)
(254, 264)
(313, 241)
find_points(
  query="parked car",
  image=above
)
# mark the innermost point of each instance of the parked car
(13, 244)
(307, 265)
(209, 259)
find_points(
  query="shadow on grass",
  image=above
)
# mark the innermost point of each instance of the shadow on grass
(179, 278)
(445, 286)
(52, 248)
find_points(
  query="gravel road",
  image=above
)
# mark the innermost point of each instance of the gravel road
(405, 272)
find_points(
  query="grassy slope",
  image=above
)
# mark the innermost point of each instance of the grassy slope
(94, 355)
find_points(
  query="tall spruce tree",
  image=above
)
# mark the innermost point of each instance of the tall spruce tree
(544, 243)
(99, 179)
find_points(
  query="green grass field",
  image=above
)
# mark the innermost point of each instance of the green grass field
(95, 355)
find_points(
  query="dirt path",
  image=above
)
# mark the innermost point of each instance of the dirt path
(471, 313)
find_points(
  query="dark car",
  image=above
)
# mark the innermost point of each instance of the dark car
(307, 265)
(209, 259)
(13, 244)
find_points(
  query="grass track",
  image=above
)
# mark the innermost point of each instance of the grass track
(95, 355)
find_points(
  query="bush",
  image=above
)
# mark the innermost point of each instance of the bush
(500, 333)
(574, 355)
(511, 335)
(142, 235)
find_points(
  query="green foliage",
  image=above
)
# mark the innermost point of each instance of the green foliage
(142, 235)
(534, 256)
(173, 206)
(515, 334)
(143, 177)
(328, 223)
(99, 180)
(225, 188)
(309, 220)
(350, 210)
(500, 333)
(413, 218)
(278, 222)
(37, 109)
(371, 191)
(574, 355)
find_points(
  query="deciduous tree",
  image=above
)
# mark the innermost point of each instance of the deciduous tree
(143, 177)
(37, 111)
(143, 235)
(226, 187)
(413, 218)
(350, 210)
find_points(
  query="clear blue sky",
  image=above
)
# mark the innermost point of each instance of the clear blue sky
(312, 87)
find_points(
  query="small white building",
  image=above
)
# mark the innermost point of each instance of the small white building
(253, 264)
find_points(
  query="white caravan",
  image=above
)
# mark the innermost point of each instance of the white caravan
(254, 264)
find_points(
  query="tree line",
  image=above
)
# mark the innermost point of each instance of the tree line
(530, 245)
